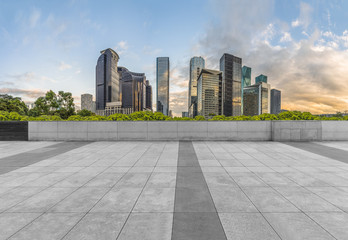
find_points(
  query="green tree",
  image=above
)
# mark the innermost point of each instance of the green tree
(12, 104)
(85, 113)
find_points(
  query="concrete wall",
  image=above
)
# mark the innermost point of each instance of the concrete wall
(13, 131)
(190, 130)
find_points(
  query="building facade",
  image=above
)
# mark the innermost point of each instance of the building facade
(87, 102)
(256, 99)
(196, 65)
(113, 108)
(246, 81)
(162, 81)
(209, 91)
(261, 78)
(276, 101)
(107, 79)
(184, 114)
(231, 67)
(133, 89)
(148, 104)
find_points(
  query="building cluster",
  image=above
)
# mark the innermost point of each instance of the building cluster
(118, 90)
(229, 91)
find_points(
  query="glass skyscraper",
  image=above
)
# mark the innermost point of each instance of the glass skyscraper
(275, 101)
(231, 68)
(246, 81)
(107, 79)
(261, 78)
(162, 81)
(196, 65)
(133, 89)
(256, 99)
(148, 104)
(209, 91)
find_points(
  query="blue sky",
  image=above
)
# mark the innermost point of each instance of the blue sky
(301, 45)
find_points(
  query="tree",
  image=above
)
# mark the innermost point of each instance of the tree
(12, 104)
(85, 113)
(53, 104)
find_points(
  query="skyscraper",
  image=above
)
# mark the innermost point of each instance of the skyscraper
(231, 68)
(246, 81)
(133, 89)
(107, 79)
(275, 101)
(162, 81)
(209, 91)
(261, 78)
(257, 99)
(196, 65)
(87, 102)
(148, 104)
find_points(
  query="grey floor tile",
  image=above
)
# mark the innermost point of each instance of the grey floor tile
(148, 226)
(247, 179)
(218, 179)
(296, 226)
(17, 195)
(156, 200)
(334, 223)
(136, 180)
(162, 180)
(105, 180)
(10, 223)
(246, 226)
(335, 196)
(49, 226)
(118, 200)
(101, 226)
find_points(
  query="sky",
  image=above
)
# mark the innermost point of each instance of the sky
(302, 46)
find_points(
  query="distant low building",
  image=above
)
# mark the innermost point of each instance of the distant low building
(257, 99)
(87, 102)
(113, 108)
(275, 101)
(185, 114)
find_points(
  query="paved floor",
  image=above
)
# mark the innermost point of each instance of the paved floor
(173, 190)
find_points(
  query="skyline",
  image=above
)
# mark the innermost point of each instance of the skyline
(302, 46)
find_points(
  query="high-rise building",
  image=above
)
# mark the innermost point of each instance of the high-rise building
(246, 81)
(87, 102)
(257, 99)
(209, 91)
(108, 87)
(148, 104)
(231, 68)
(261, 78)
(162, 81)
(196, 65)
(133, 89)
(275, 101)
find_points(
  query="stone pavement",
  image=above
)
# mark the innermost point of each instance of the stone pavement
(173, 190)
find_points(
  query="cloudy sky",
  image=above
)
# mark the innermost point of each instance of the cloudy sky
(302, 46)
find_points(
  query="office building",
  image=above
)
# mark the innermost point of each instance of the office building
(133, 89)
(87, 102)
(256, 99)
(184, 114)
(162, 81)
(231, 68)
(246, 81)
(261, 78)
(209, 91)
(196, 65)
(275, 101)
(148, 104)
(107, 79)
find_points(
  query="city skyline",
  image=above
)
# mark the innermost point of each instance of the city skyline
(300, 45)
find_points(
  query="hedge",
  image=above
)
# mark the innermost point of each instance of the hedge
(157, 116)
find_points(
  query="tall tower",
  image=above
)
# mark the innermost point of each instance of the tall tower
(196, 65)
(276, 101)
(246, 81)
(162, 81)
(148, 104)
(231, 68)
(108, 87)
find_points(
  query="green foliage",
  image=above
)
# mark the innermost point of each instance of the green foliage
(61, 104)
(12, 104)
(85, 113)
(199, 118)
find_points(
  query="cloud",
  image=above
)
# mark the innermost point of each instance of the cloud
(178, 102)
(311, 72)
(148, 50)
(28, 93)
(121, 47)
(28, 77)
(64, 66)
(34, 17)
(305, 16)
